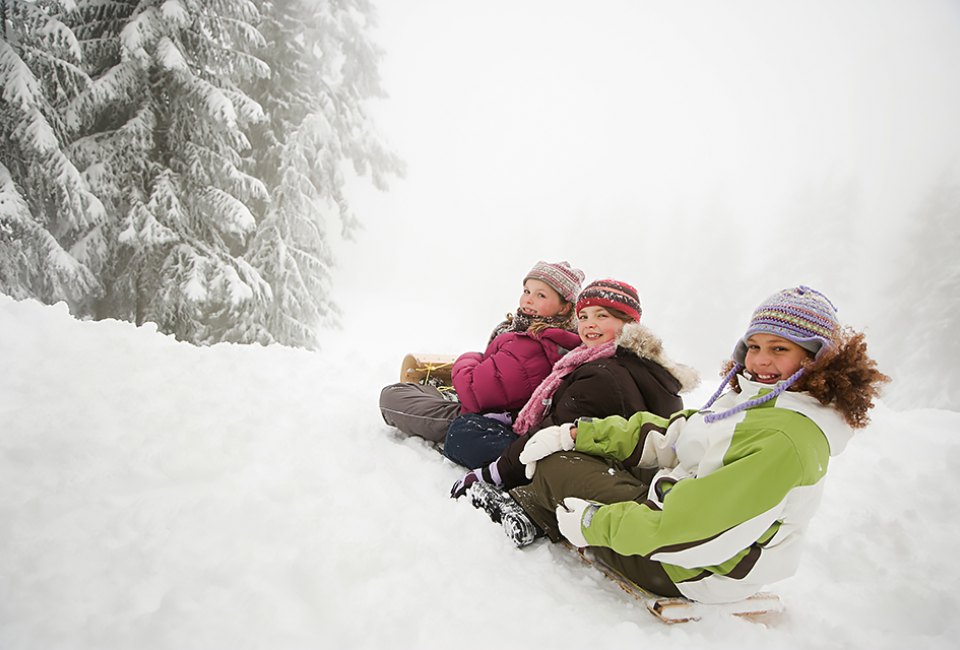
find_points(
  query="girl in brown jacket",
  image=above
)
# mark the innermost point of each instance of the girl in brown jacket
(620, 368)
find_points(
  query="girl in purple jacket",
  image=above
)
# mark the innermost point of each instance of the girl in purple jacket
(520, 354)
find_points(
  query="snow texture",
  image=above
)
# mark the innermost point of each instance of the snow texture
(158, 495)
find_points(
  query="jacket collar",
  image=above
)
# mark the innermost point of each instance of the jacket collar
(828, 419)
(641, 341)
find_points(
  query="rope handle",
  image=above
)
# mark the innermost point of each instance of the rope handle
(431, 367)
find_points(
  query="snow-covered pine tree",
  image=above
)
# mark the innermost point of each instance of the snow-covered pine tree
(161, 129)
(324, 67)
(174, 218)
(46, 206)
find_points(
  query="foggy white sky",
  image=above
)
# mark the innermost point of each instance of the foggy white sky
(709, 153)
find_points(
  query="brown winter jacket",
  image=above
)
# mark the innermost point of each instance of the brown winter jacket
(638, 377)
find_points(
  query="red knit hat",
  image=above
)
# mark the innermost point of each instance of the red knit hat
(611, 293)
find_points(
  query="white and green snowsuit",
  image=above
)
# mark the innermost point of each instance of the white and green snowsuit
(726, 512)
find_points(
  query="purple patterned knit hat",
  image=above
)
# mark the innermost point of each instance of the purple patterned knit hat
(800, 314)
(563, 278)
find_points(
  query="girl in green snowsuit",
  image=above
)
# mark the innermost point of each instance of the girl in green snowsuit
(735, 483)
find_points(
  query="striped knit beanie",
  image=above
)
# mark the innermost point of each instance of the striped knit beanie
(802, 315)
(611, 293)
(563, 278)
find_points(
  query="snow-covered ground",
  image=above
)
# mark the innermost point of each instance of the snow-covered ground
(158, 495)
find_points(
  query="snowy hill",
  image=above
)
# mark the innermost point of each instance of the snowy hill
(158, 495)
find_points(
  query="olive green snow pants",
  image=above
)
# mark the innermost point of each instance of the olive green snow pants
(574, 474)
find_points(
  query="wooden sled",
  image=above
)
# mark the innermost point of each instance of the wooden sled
(418, 368)
(758, 607)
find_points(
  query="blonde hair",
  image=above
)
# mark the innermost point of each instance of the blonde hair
(571, 323)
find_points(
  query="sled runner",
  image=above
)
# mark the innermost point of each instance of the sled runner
(419, 368)
(681, 610)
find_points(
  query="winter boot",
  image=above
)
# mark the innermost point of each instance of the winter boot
(502, 509)
(520, 528)
(490, 499)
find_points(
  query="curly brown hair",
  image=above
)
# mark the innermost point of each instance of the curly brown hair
(844, 377)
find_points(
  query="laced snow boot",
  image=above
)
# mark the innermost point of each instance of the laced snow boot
(502, 509)
(520, 528)
(488, 498)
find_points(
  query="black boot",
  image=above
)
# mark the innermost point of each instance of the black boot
(502, 509)
(520, 528)
(488, 498)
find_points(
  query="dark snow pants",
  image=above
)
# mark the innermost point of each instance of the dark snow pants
(574, 474)
(476, 441)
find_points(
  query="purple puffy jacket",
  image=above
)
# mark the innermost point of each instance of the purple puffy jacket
(506, 374)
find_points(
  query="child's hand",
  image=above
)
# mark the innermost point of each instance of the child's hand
(543, 443)
(573, 515)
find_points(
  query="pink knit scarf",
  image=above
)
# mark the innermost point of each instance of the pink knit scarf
(532, 412)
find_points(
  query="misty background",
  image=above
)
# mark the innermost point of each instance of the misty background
(708, 153)
(156, 494)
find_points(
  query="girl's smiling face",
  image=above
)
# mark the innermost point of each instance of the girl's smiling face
(540, 299)
(596, 326)
(771, 358)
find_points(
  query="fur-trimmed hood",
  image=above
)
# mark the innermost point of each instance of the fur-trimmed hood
(641, 341)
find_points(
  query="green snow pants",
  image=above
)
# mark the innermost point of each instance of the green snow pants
(574, 474)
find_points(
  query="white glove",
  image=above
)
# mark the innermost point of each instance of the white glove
(572, 516)
(543, 443)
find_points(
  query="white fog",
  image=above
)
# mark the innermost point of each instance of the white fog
(160, 495)
(709, 154)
